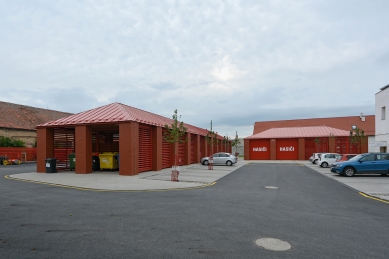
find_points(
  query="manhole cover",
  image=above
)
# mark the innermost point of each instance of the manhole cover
(273, 244)
(271, 187)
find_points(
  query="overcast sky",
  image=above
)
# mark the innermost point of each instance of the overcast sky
(232, 62)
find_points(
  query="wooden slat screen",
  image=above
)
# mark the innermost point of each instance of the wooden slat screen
(105, 141)
(64, 144)
(145, 149)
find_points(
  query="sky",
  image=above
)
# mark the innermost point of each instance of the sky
(232, 62)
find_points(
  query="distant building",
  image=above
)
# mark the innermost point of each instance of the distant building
(298, 139)
(381, 120)
(19, 121)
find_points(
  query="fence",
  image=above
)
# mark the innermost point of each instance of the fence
(22, 153)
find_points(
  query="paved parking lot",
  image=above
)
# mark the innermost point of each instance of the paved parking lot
(317, 216)
(372, 185)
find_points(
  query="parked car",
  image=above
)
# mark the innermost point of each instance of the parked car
(220, 158)
(314, 158)
(327, 159)
(368, 163)
(345, 157)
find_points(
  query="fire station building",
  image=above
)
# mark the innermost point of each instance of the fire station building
(135, 134)
(298, 139)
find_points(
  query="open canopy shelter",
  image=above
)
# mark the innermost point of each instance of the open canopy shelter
(135, 134)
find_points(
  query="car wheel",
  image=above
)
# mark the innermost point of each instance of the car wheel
(324, 164)
(314, 161)
(205, 162)
(349, 171)
(229, 163)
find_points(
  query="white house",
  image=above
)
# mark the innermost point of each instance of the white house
(382, 120)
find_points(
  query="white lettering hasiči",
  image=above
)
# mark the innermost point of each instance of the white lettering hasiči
(260, 149)
(291, 148)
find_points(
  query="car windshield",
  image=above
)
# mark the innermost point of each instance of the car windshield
(355, 158)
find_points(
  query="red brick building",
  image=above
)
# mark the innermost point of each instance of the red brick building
(298, 139)
(135, 134)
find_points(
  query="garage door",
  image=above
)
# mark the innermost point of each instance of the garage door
(259, 149)
(287, 149)
(309, 147)
(145, 149)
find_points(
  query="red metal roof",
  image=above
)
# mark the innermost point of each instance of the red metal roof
(300, 132)
(16, 116)
(117, 112)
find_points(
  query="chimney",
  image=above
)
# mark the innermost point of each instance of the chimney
(362, 117)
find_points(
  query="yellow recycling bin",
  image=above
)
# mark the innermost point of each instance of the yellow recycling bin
(109, 160)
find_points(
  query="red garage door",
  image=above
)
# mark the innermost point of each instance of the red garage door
(287, 149)
(309, 147)
(145, 149)
(259, 149)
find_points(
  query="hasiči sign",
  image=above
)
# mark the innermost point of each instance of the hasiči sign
(291, 148)
(259, 149)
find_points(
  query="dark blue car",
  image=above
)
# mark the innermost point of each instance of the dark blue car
(368, 163)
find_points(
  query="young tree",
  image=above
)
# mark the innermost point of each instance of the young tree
(175, 134)
(357, 138)
(332, 142)
(212, 139)
(236, 143)
(318, 143)
(225, 142)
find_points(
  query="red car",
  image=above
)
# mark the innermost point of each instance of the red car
(344, 157)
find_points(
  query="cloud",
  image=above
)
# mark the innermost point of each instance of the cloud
(234, 62)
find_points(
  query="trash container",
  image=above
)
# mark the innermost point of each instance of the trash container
(72, 161)
(95, 163)
(108, 160)
(51, 165)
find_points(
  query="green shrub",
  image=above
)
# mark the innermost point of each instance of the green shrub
(9, 142)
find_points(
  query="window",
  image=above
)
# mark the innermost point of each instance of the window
(383, 111)
(368, 158)
(382, 157)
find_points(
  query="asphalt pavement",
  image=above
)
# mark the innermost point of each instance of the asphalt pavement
(314, 215)
(191, 176)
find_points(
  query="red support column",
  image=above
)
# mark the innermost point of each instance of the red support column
(246, 149)
(203, 147)
(301, 148)
(273, 149)
(45, 148)
(157, 148)
(83, 141)
(128, 148)
(187, 149)
(197, 151)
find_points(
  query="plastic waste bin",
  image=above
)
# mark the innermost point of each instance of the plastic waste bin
(95, 163)
(108, 160)
(51, 165)
(72, 161)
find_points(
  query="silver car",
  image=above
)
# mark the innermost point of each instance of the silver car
(220, 158)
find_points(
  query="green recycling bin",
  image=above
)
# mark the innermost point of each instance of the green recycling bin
(72, 161)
